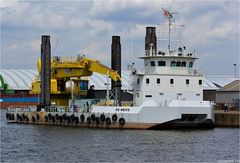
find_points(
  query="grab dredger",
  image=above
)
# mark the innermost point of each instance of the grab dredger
(167, 93)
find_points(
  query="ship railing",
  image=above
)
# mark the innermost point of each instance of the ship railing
(65, 109)
(59, 109)
(151, 52)
(68, 59)
(138, 71)
(22, 109)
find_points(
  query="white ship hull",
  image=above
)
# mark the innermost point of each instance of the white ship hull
(187, 114)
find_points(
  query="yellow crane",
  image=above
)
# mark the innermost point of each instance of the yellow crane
(76, 69)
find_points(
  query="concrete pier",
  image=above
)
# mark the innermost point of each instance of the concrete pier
(227, 119)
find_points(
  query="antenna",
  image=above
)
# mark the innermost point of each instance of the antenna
(169, 15)
(56, 46)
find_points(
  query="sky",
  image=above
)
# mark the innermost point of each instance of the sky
(211, 28)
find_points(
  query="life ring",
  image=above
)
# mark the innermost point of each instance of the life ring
(108, 121)
(93, 117)
(122, 121)
(82, 117)
(102, 117)
(114, 117)
(195, 72)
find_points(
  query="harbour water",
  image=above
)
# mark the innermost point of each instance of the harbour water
(39, 143)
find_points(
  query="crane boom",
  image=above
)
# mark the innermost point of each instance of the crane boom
(77, 67)
(96, 66)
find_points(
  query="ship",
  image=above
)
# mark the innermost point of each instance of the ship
(167, 93)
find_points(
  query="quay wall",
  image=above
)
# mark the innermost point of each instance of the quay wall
(227, 119)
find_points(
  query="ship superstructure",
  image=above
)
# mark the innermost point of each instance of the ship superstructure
(167, 76)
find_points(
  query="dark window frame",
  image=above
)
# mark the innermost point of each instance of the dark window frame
(190, 64)
(148, 96)
(152, 63)
(147, 81)
(183, 64)
(161, 63)
(173, 64)
(178, 64)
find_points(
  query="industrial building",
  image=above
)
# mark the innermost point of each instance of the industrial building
(230, 94)
(20, 80)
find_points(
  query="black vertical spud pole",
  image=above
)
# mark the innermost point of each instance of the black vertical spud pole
(116, 65)
(45, 71)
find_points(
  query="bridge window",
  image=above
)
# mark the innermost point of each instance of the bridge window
(190, 64)
(147, 81)
(158, 81)
(138, 81)
(152, 63)
(187, 81)
(171, 81)
(173, 64)
(184, 64)
(161, 63)
(148, 95)
(178, 64)
(200, 82)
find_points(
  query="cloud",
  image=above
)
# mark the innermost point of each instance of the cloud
(222, 31)
(8, 3)
(212, 28)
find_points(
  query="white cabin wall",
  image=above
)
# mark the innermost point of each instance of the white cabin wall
(164, 92)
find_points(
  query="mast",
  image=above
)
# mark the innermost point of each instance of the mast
(169, 35)
(169, 15)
